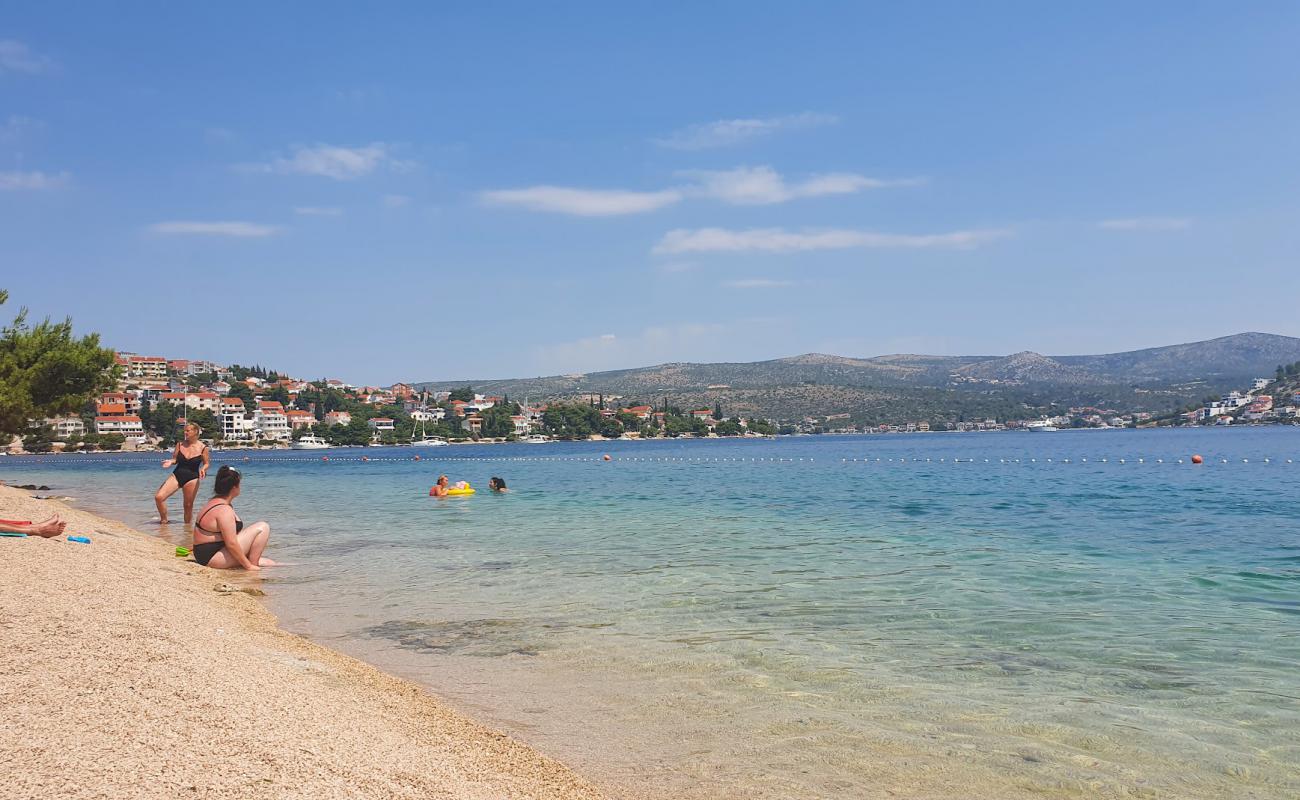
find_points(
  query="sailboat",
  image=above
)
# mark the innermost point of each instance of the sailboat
(425, 439)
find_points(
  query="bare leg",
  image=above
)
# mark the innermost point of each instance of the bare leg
(49, 528)
(165, 491)
(188, 492)
(252, 540)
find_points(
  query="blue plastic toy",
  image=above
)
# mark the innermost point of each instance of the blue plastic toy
(82, 539)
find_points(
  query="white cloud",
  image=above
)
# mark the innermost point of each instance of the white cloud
(318, 211)
(727, 132)
(242, 230)
(18, 57)
(779, 240)
(17, 127)
(339, 163)
(764, 185)
(582, 202)
(35, 181)
(678, 266)
(1146, 224)
(756, 283)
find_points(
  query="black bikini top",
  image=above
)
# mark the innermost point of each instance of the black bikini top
(198, 523)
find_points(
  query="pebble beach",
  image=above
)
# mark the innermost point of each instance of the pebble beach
(130, 672)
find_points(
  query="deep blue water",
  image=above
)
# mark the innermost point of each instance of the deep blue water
(1027, 613)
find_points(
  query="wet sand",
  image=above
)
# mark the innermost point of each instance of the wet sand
(129, 672)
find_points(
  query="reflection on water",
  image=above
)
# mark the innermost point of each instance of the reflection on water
(702, 619)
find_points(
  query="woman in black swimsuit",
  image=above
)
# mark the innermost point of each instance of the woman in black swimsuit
(220, 539)
(191, 459)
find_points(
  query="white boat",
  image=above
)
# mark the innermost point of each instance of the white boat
(310, 442)
(535, 438)
(1041, 426)
(425, 439)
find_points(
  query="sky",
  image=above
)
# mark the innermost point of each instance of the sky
(419, 191)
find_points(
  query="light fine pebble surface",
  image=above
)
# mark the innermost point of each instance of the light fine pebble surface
(128, 672)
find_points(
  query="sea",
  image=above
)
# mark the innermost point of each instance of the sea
(1068, 614)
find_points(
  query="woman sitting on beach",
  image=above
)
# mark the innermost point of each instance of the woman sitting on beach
(225, 543)
(191, 459)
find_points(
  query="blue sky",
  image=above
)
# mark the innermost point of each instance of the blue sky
(421, 191)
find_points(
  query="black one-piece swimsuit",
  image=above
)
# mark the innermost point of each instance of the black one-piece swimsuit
(187, 469)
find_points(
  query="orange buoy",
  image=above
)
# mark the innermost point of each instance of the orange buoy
(417, 456)
(365, 458)
(607, 458)
(1197, 459)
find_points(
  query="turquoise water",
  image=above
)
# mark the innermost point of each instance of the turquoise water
(938, 615)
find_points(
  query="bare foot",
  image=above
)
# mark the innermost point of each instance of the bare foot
(266, 562)
(49, 528)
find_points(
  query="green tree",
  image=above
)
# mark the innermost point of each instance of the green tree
(465, 393)
(497, 420)
(111, 441)
(39, 439)
(278, 395)
(241, 391)
(730, 427)
(45, 371)
(610, 427)
(162, 422)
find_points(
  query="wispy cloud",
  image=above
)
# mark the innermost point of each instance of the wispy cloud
(332, 161)
(32, 181)
(678, 267)
(765, 186)
(779, 240)
(582, 202)
(728, 132)
(756, 283)
(18, 57)
(241, 230)
(1146, 224)
(318, 211)
(16, 127)
(396, 200)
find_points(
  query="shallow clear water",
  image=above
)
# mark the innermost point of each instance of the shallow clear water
(817, 616)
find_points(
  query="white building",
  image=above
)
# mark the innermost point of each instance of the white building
(380, 424)
(271, 422)
(146, 368)
(522, 425)
(67, 427)
(127, 425)
(300, 419)
(236, 424)
(428, 414)
(338, 418)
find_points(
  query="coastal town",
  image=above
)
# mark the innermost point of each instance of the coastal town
(239, 406)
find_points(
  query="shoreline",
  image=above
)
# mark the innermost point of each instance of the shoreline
(131, 671)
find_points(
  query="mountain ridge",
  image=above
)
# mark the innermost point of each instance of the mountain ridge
(821, 383)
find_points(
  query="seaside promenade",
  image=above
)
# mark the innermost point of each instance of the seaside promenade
(132, 673)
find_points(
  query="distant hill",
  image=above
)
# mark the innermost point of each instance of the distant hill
(819, 384)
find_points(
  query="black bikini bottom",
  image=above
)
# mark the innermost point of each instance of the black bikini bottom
(184, 476)
(203, 553)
